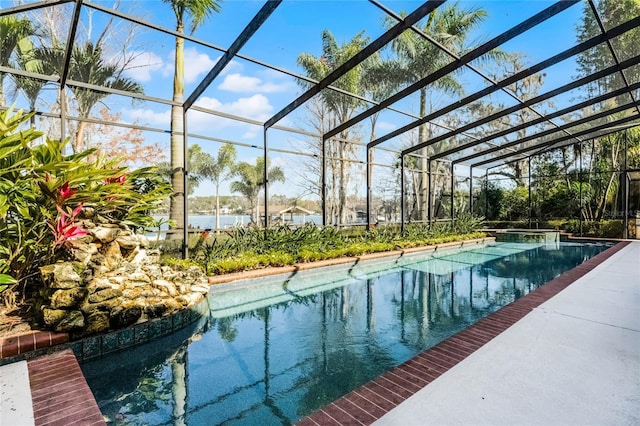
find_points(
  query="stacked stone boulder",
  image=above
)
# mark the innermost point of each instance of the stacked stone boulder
(114, 281)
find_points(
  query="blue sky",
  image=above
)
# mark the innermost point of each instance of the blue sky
(257, 93)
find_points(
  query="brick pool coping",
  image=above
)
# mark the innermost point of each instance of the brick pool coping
(59, 392)
(373, 400)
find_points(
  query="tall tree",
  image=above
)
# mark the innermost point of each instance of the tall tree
(12, 31)
(251, 180)
(27, 60)
(606, 154)
(612, 13)
(197, 11)
(524, 89)
(418, 57)
(220, 169)
(88, 66)
(341, 107)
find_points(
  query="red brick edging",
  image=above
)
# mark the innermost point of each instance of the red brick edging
(60, 393)
(370, 402)
(12, 346)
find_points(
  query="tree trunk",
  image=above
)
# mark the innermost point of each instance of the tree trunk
(177, 139)
(3, 101)
(79, 142)
(423, 197)
(602, 204)
(179, 387)
(217, 207)
(342, 190)
(603, 201)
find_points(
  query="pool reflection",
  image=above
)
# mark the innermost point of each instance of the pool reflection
(275, 364)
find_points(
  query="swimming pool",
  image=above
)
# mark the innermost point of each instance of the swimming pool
(273, 353)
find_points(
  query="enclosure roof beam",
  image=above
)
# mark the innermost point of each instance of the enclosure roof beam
(31, 6)
(611, 49)
(579, 48)
(548, 132)
(257, 21)
(468, 57)
(475, 70)
(532, 101)
(610, 129)
(585, 132)
(358, 58)
(555, 114)
(604, 131)
(70, 40)
(255, 61)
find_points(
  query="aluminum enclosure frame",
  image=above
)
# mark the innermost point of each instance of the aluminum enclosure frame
(498, 152)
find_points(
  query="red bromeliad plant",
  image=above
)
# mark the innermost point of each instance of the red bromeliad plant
(66, 228)
(40, 184)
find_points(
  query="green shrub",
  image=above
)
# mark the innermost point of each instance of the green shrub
(45, 194)
(249, 260)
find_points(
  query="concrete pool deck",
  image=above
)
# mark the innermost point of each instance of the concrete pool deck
(568, 353)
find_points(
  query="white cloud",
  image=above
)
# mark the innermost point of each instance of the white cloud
(147, 116)
(239, 83)
(140, 65)
(256, 107)
(385, 125)
(195, 64)
(250, 134)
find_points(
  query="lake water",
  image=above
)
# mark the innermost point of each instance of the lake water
(229, 221)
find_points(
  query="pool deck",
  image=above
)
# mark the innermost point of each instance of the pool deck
(566, 354)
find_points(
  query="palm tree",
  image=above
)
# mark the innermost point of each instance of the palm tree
(12, 30)
(418, 57)
(29, 60)
(342, 107)
(198, 163)
(252, 180)
(219, 170)
(198, 11)
(88, 66)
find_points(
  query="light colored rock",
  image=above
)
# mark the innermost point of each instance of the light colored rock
(62, 275)
(105, 234)
(113, 255)
(143, 241)
(139, 277)
(132, 293)
(200, 289)
(127, 242)
(120, 291)
(137, 256)
(103, 295)
(165, 286)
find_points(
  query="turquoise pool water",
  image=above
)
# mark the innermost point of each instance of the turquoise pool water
(273, 353)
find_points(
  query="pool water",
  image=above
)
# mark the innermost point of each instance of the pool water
(273, 353)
